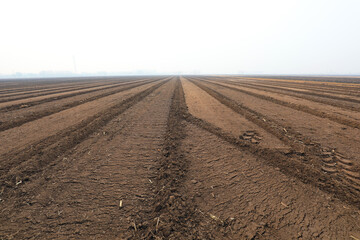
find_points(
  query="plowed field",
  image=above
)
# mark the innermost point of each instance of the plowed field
(192, 157)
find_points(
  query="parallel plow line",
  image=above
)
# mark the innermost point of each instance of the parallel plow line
(345, 90)
(319, 82)
(347, 122)
(305, 161)
(302, 89)
(43, 92)
(294, 93)
(39, 155)
(175, 213)
(37, 115)
(37, 102)
(53, 83)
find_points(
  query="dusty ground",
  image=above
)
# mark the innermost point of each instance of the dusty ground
(180, 158)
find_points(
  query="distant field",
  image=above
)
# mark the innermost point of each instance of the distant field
(180, 157)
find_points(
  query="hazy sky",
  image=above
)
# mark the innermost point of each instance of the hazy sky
(290, 36)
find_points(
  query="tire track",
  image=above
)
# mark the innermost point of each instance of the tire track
(347, 122)
(337, 165)
(288, 136)
(201, 105)
(37, 115)
(260, 120)
(42, 153)
(281, 116)
(306, 156)
(310, 129)
(344, 187)
(37, 102)
(175, 214)
(260, 201)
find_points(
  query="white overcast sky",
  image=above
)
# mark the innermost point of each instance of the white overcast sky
(243, 36)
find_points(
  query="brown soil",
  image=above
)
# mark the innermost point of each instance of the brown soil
(202, 105)
(81, 193)
(17, 95)
(35, 130)
(20, 115)
(303, 103)
(185, 158)
(47, 97)
(261, 202)
(324, 131)
(325, 90)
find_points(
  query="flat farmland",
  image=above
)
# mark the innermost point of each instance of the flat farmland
(180, 157)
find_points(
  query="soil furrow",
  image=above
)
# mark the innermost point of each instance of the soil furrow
(38, 93)
(289, 163)
(180, 158)
(35, 130)
(309, 152)
(7, 89)
(302, 89)
(45, 100)
(37, 115)
(44, 84)
(202, 105)
(258, 201)
(308, 128)
(175, 216)
(294, 93)
(347, 91)
(273, 126)
(80, 193)
(342, 82)
(262, 121)
(53, 87)
(347, 122)
(41, 154)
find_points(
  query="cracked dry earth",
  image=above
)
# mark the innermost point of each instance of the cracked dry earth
(193, 157)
